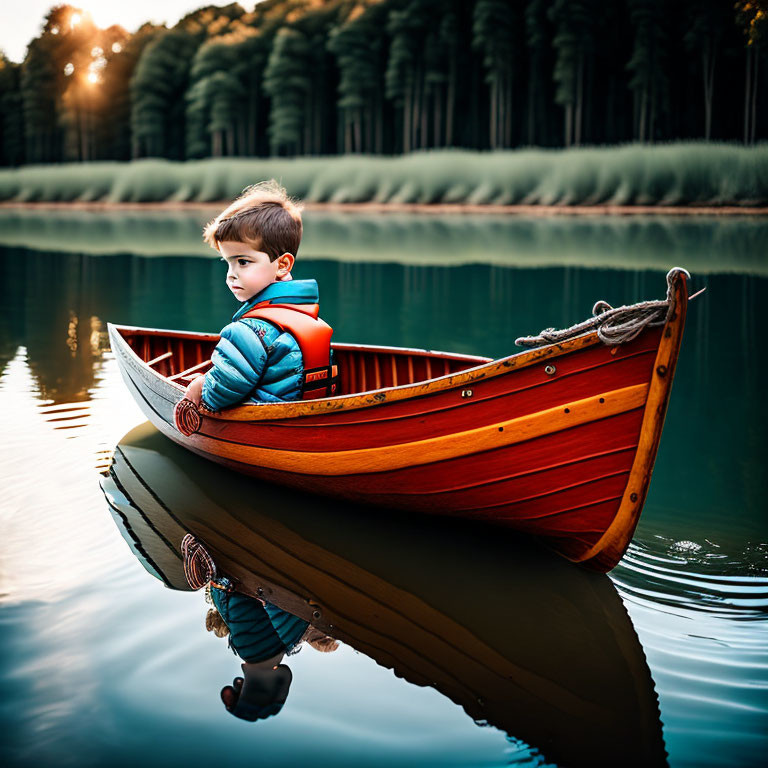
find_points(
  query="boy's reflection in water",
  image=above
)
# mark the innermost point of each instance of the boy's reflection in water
(260, 633)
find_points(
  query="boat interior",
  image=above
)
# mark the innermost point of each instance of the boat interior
(181, 357)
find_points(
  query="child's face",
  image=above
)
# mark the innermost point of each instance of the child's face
(248, 270)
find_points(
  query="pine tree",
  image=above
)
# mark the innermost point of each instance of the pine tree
(11, 125)
(574, 45)
(538, 43)
(214, 99)
(404, 77)
(358, 47)
(497, 27)
(114, 116)
(703, 38)
(39, 93)
(157, 91)
(287, 83)
(752, 17)
(648, 79)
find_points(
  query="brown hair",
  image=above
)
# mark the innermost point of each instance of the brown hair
(319, 640)
(263, 217)
(214, 623)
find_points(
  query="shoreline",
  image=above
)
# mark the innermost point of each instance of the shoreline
(415, 208)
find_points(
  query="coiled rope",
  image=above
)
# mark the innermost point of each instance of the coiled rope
(615, 325)
(199, 567)
(186, 417)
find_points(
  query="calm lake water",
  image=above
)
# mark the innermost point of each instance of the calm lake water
(478, 649)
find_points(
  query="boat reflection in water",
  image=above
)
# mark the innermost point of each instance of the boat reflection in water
(521, 639)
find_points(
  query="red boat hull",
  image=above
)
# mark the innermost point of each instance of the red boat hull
(558, 442)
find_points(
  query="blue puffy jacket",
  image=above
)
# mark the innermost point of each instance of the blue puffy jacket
(254, 361)
(256, 631)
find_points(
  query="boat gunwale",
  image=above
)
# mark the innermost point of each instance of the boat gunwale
(252, 412)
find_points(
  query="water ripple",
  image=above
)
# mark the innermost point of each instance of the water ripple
(697, 576)
(700, 609)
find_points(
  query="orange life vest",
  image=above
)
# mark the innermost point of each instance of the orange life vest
(313, 336)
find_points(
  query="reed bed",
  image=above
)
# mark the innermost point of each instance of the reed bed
(690, 173)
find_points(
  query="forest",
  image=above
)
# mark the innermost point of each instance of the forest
(386, 77)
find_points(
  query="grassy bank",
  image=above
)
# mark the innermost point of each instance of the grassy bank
(693, 173)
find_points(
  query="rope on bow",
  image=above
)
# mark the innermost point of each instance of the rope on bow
(615, 325)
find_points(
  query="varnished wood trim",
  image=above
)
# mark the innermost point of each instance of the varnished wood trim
(375, 418)
(609, 549)
(373, 398)
(194, 368)
(159, 358)
(390, 457)
(259, 412)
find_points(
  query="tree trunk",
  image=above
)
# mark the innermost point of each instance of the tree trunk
(347, 133)
(253, 121)
(359, 130)
(305, 141)
(379, 128)
(370, 116)
(579, 101)
(82, 150)
(641, 117)
(407, 110)
(508, 112)
(756, 67)
(416, 110)
(319, 137)
(450, 100)
(531, 102)
(747, 94)
(708, 62)
(568, 123)
(494, 113)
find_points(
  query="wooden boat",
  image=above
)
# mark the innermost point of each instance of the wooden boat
(512, 633)
(557, 441)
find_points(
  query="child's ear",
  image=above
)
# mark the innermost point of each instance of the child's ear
(285, 264)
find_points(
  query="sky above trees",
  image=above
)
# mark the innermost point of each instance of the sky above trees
(21, 22)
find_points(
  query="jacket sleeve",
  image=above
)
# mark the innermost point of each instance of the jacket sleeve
(239, 360)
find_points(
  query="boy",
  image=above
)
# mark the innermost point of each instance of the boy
(276, 348)
(259, 632)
